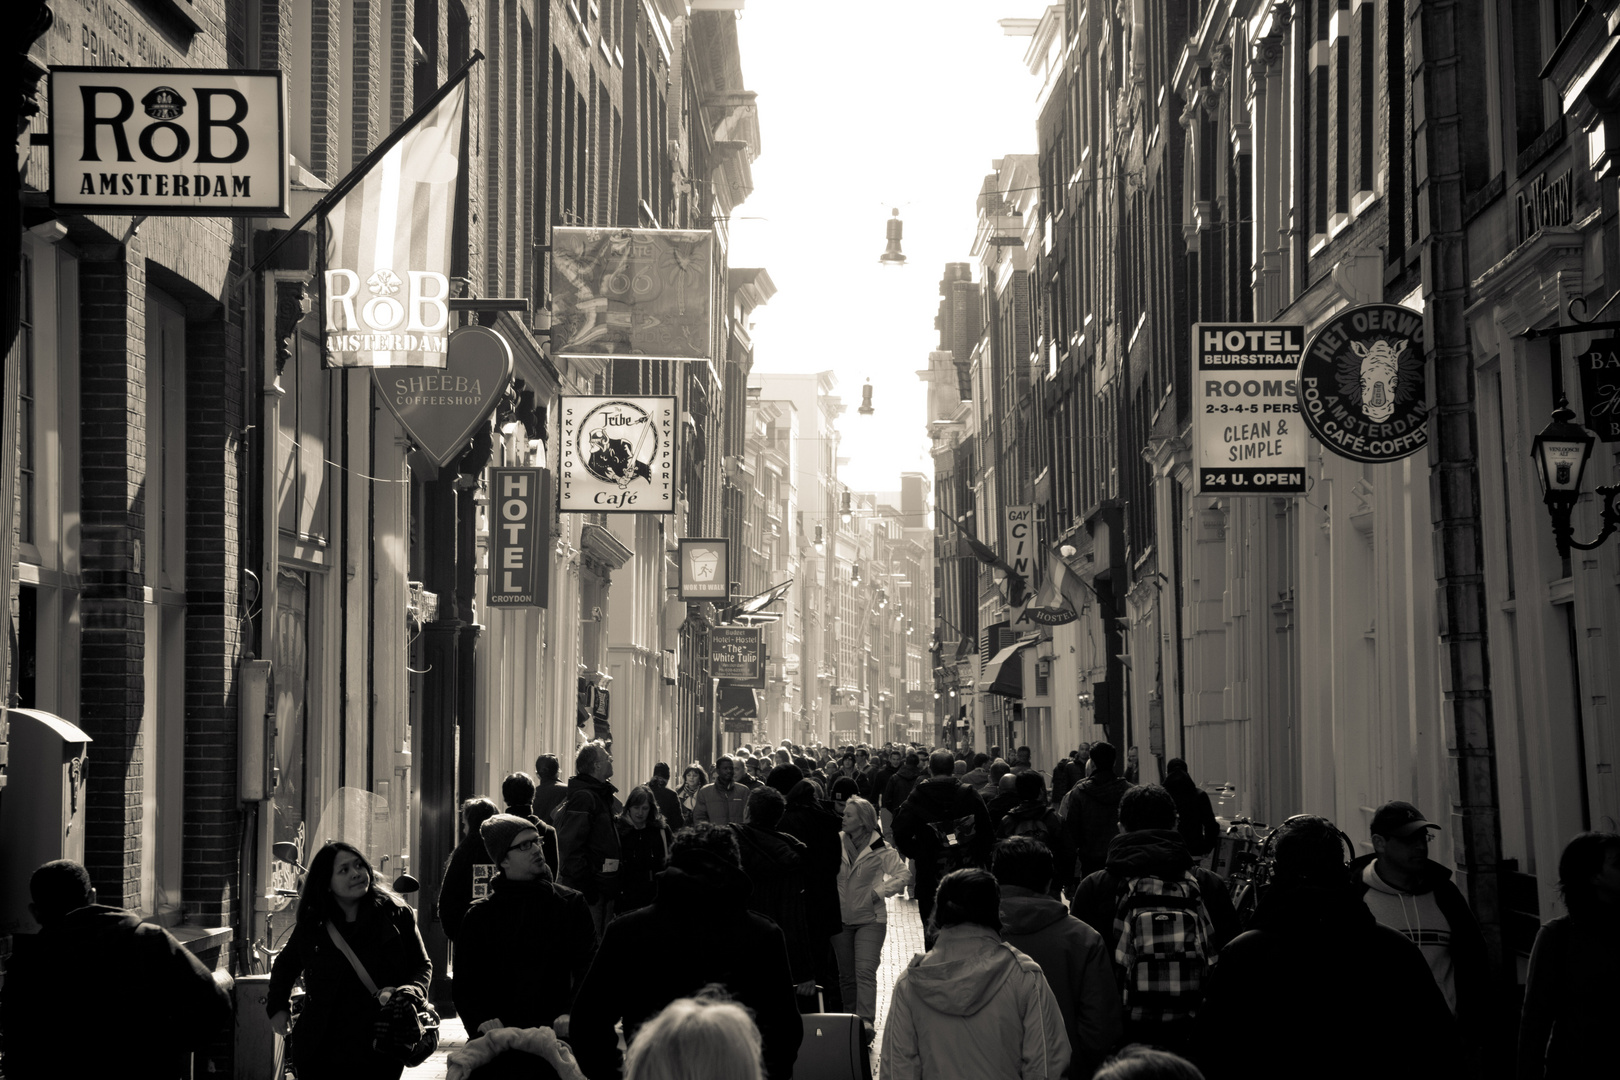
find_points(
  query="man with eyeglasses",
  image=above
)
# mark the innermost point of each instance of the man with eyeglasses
(1409, 892)
(526, 924)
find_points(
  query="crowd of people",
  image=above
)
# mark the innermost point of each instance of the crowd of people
(1072, 930)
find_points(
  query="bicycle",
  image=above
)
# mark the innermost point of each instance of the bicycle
(1246, 848)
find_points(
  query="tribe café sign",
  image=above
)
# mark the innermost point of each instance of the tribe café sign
(180, 141)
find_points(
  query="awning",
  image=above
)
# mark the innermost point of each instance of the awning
(1004, 674)
(738, 702)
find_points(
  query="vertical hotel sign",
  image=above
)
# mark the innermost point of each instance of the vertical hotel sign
(1247, 432)
(518, 537)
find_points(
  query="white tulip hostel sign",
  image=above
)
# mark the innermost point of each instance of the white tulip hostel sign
(1247, 432)
(187, 141)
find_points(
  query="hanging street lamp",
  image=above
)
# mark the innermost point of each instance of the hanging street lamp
(1560, 453)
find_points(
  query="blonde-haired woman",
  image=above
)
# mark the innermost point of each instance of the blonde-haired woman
(701, 1038)
(869, 872)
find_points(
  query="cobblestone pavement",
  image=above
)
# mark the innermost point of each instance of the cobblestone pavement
(903, 941)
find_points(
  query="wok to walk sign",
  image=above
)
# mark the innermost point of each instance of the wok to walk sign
(1247, 432)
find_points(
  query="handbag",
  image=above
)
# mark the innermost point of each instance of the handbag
(407, 1028)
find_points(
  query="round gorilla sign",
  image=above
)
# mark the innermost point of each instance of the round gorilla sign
(1361, 384)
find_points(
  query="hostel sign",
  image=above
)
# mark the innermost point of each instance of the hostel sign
(1363, 384)
(1247, 432)
(180, 141)
(737, 655)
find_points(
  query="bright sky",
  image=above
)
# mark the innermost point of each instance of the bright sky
(864, 108)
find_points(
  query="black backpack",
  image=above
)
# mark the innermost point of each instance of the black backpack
(953, 843)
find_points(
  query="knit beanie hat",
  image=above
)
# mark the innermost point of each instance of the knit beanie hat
(499, 832)
(844, 787)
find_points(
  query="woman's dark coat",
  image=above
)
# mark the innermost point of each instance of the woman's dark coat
(333, 1036)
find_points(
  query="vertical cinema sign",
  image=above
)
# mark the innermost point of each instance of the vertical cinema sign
(519, 509)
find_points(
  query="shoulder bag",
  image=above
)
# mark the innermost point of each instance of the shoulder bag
(407, 1028)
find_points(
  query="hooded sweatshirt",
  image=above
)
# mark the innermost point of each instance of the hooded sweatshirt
(1077, 966)
(698, 931)
(973, 1007)
(1150, 853)
(1418, 916)
(899, 787)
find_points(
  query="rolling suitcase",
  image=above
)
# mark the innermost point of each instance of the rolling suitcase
(832, 1048)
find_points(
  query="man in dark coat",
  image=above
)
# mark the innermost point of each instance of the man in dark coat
(1148, 845)
(1034, 818)
(1315, 952)
(669, 804)
(698, 931)
(161, 1003)
(898, 788)
(817, 829)
(1094, 810)
(518, 791)
(1411, 893)
(942, 826)
(549, 791)
(1005, 799)
(528, 924)
(1195, 817)
(775, 863)
(587, 835)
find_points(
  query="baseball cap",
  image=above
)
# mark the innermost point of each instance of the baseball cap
(1399, 819)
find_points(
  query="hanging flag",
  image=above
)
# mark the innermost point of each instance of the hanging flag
(386, 245)
(1017, 584)
(1054, 603)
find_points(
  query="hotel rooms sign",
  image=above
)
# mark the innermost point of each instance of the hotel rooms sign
(186, 141)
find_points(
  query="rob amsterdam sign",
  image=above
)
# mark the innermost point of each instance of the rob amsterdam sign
(188, 141)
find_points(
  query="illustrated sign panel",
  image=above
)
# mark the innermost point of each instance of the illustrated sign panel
(194, 141)
(618, 455)
(519, 537)
(440, 408)
(632, 292)
(1247, 433)
(1600, 388)
(737, 655)
(1363, 384)
(705, 567)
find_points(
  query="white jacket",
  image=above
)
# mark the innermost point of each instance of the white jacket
(973, 1008)
(876, 873)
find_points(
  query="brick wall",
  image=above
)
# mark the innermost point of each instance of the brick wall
(112, 294)
(214, 417)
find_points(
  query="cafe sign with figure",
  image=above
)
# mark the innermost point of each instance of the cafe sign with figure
(618, 455)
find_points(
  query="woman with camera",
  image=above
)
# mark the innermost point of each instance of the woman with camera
(348, 923)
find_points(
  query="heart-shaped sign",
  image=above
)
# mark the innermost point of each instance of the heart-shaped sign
(440, 408)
